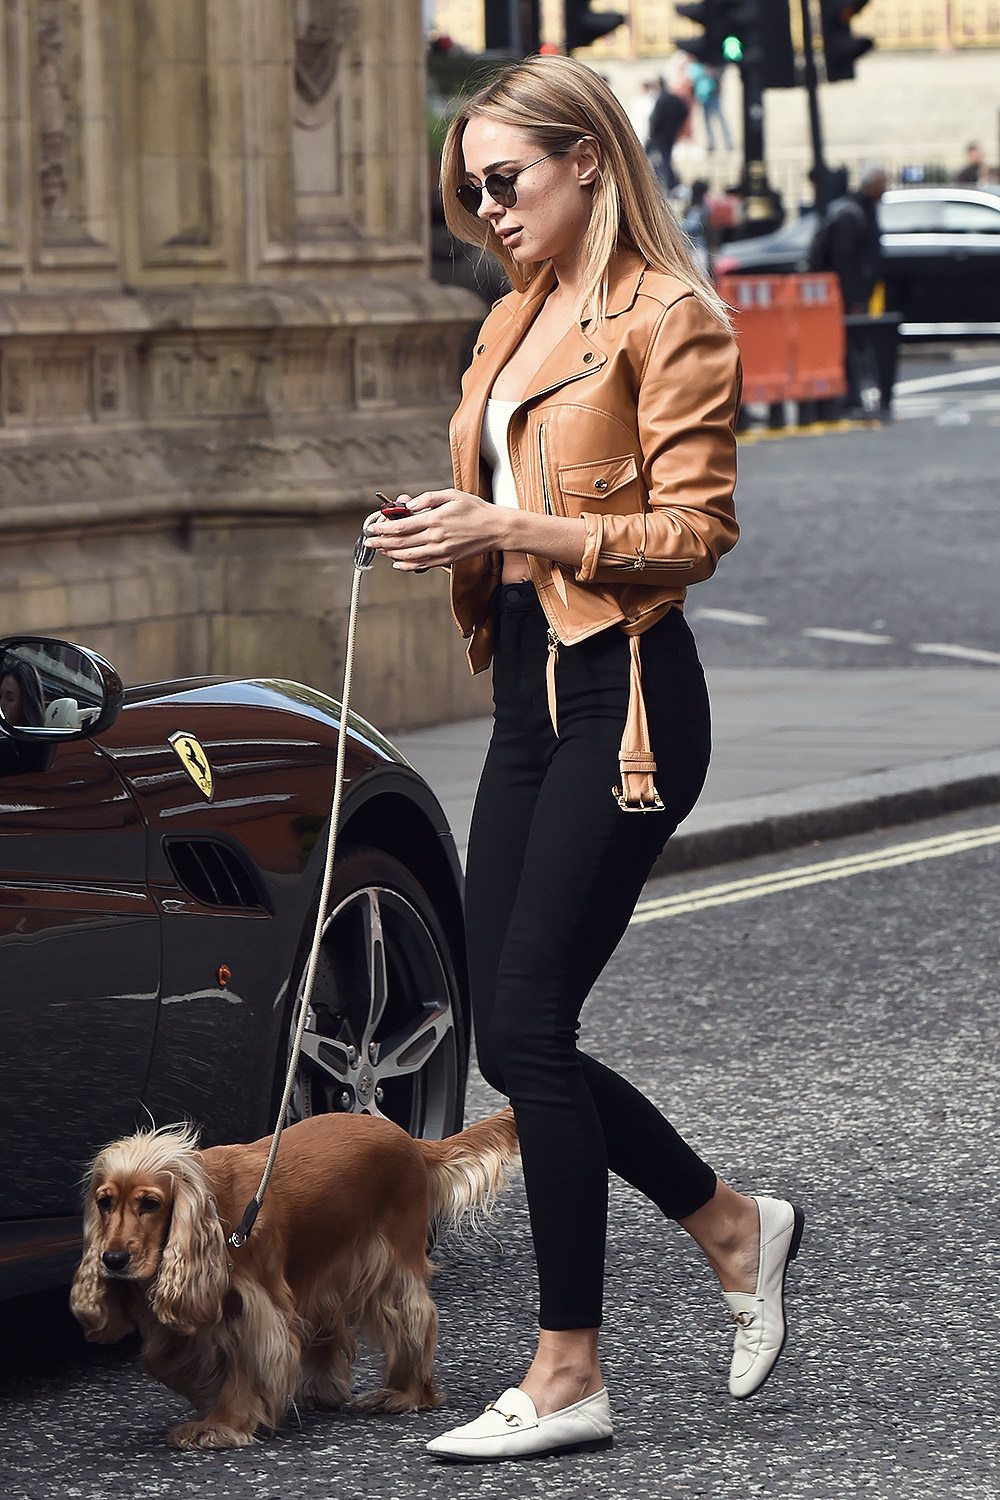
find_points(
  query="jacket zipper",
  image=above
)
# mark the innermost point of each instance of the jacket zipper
(638, 561)
(546, 497)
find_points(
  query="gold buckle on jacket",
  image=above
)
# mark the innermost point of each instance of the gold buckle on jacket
(637, 807)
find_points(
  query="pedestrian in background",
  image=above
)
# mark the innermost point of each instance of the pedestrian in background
(696, 223)
(848, 242)
(642, 108)
(972, 170)
(666, 120)
(595, 460)
(706, 83)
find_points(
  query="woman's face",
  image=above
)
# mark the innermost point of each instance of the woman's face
(10, 700)
(554, 198)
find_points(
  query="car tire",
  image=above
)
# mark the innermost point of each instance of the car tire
(386, 1032)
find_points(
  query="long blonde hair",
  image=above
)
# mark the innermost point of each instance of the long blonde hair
(558, 101)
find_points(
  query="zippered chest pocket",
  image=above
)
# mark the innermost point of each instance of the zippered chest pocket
(603, 484)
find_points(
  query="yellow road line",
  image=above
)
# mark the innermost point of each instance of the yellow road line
(831, 869)
(806, 429)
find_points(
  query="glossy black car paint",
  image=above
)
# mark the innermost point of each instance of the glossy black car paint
(943, 278)
(125, 997)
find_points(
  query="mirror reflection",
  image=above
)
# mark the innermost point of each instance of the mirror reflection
(49, 687)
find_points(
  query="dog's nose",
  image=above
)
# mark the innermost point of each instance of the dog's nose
(116, 1260)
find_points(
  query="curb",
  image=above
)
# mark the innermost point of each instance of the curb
(829, 810)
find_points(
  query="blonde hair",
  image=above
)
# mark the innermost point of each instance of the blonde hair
(559, 101)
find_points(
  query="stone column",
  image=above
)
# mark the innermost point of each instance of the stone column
(218, 338)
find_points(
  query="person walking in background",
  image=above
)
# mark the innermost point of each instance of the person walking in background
(706, 83)
(666, 121)
(849, 243)
(695, 223)
(972, 170)
(594, 458)
(642, 107)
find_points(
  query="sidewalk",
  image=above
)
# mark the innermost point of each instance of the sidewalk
(799, 755)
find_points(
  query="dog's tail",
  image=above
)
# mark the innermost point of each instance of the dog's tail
(467, 1171)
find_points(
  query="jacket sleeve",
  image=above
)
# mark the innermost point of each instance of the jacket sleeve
(688, 397)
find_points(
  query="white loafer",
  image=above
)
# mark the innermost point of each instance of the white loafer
(510, 1427)
(760, 1316)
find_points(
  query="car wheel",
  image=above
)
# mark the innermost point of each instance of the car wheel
(385, 1034)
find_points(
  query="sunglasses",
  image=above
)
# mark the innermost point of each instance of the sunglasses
(500, 187)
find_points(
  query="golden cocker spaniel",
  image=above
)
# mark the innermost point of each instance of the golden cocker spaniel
(338, 1252)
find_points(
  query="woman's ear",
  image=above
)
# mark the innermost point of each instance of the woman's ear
(588, 160)
(194, 1267)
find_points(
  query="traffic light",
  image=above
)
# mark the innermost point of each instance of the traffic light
(729, 30)
(584, 25)
(841, 48)
(777, 54)
(706, 49)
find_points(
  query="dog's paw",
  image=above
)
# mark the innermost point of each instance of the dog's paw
(421, 1399)
(209, 1435)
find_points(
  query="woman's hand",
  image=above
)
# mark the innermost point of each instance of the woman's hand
(442, 527)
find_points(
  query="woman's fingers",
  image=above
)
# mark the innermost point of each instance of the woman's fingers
(439, 528)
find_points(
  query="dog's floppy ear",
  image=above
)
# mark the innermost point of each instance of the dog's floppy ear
(194, 1267)
(96, 1307)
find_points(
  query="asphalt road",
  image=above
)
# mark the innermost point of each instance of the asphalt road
(823, 1033)
(885, 533)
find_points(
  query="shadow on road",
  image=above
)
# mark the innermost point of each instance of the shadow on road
(42, 1340)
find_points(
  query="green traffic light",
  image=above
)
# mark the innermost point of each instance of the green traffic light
(732, 49)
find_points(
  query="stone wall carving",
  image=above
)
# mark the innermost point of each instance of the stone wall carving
(218, 337)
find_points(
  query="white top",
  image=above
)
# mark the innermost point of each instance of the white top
(493, 446)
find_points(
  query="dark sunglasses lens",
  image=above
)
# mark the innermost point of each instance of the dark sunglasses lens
(501, 190)
(470, 197)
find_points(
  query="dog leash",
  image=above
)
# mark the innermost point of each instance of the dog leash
(364, 560)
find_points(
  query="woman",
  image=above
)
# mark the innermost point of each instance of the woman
(594, 462)
(22, 699)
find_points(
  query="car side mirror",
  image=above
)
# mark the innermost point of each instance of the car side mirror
(52, 690)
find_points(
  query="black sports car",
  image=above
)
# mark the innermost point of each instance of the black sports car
(161, 857)
(942, 258)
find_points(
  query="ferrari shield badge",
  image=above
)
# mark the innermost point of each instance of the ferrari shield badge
(194, 760)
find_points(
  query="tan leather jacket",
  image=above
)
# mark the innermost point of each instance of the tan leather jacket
(630, 426)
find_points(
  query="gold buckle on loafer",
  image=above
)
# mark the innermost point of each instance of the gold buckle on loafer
(509, 1417)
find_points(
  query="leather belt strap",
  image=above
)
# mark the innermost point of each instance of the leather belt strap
(637, 792)
(550, 679)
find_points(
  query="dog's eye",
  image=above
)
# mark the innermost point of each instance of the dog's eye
(105, 1204)
(149, 1205)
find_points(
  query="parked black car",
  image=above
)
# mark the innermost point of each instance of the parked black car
(161, 856)
(942, 258)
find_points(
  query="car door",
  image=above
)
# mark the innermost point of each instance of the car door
(79, 970)
(973, 229)
(919, 270)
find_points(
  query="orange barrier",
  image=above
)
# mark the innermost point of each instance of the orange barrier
(818, 337)
(791, 335)
(763, 331)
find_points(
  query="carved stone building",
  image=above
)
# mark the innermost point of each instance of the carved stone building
(218, 338)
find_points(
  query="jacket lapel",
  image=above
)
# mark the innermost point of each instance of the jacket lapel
(577, 353)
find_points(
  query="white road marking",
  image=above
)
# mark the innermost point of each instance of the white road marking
(795, 878)
(943, 382)
(963, 653)
(852, 637)
(729, 616)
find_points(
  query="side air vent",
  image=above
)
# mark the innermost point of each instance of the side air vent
(213, 873)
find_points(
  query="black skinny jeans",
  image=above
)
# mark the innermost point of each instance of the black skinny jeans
(554, 870)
